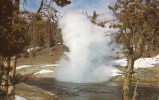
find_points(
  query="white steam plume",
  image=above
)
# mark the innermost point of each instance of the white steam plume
(88, 45)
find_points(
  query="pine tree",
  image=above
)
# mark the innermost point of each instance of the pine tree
(138, 26)
(12, 41)
(94, 15)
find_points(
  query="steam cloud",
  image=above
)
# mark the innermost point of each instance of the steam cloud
(89, 49)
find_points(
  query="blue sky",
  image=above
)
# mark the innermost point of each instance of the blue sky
(101, 6)
(31, 5)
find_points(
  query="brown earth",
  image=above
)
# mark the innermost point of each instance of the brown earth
(33, 92)
(43, 57)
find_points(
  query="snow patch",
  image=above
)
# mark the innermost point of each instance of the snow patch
(50, 65)
(140, 63)
(24, 66)
(44, 65)
(43, 72)
(19, 98)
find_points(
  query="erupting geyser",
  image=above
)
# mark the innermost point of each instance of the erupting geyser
(88, 51)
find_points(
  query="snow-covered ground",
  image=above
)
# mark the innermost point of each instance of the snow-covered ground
(48, 65)
(24, 66)
(19, 98)
(44, 71)
(27, 66)
(140, 63)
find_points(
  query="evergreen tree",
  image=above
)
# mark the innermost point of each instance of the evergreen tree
(94, 15)
(138, 26)
(13, 40)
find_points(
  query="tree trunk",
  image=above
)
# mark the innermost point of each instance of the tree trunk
(11, 79)
(8, 76)
(5, 74)
(1, 66)
(127, 78)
